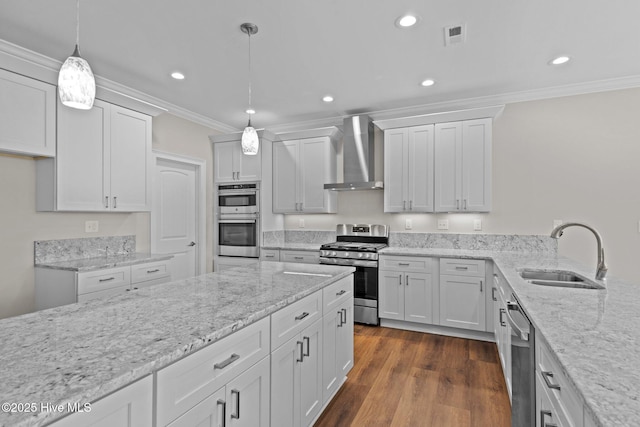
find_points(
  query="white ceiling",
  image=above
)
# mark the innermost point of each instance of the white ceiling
(350, 49)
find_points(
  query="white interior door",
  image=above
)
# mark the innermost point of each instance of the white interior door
(175, 215)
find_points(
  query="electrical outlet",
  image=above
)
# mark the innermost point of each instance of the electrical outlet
(477, 224)
(301, 223)
(443, 224)
(557, 222)
(91, 226)
(638, 226)
(408, 224)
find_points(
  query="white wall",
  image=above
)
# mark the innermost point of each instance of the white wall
(572, 158)
(21, 225)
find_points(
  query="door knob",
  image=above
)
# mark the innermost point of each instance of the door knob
(192, 244)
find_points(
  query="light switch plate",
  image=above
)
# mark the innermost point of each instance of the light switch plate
(443, 224)
(477, 224)
(301, 223)
(91, 226)
(408, 224)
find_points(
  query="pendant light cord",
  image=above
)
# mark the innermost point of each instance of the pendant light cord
(249, 33)
(77, 22)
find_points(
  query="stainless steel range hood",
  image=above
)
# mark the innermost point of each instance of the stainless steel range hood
(358, 157)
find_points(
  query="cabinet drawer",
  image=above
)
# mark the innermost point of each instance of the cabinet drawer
(401, 263)
(462, 267)
(289, 321)
(149, 271)
(306, 257)
(336, 294)
(270, 255)
(565, 399)
(501, 284)
(190, 380)
(102, 280)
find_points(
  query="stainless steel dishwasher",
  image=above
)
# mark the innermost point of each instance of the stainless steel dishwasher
(523, 349)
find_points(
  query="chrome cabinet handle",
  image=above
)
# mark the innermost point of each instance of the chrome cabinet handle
(228, 361)
(107, 279)
(461, 268)
(301, 348)
(340, 314)
(342, 292)
(400, 279)
(545, 376)
(403, 263)
(224, 412)
(502, 322)
(106, 202)
(406, 279)
(544, 413)
(115, 202)
(493, 294)
(404, 205)
(298, 257)
(237, 414)
(410, 205)
(465, 204)
(343, 311)
(457, 204)
(192, 244)
(155, 270)
(481, 285)
(302, 316)
(307, 340)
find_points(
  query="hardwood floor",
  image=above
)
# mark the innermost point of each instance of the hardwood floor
(404, 378)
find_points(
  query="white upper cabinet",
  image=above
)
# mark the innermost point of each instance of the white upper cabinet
(463, 166)
(301, 167)
(103, 162)
(408, 169)
(27, 116)
(232, 165)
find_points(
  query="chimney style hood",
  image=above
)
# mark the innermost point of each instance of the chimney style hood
(358, 156)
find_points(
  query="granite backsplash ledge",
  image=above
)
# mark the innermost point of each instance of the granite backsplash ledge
(494, 242)
(48, 251)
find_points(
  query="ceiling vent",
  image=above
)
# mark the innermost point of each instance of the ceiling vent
(455, 34)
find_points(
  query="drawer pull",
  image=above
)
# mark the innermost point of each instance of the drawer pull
(308, 341)
(543, 414)
(107, 279)
(461, 268)
(302, 316)
(227, 362)
(301, 347)
(406, 264)
(298, 257)
(545, 376)
(224, 411)
(493, 294)
(269, 256)
(340, 314)
(480, 285)
(343, 311)
(153, 271)
(237, 414)
(502, 322)
(342, 292)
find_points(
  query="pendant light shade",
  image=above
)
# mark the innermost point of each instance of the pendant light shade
(76, 84)
(250, 140)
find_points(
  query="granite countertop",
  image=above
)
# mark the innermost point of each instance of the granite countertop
(110, 261)
(81, 352)
(311, 247)
(594, 334)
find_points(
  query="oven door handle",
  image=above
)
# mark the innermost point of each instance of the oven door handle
(523, 334)
(238, 221)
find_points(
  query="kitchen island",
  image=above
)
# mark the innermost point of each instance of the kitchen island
(81, 352)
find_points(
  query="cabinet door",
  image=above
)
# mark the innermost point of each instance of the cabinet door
(223, 158)
(417, 298)
(285, 177)
(285, 380)
(248, 397)
(330, 330)
(82, 160)
(311, 373)
(476, 165)
(447, 178)
(344, 342)
(131, 406)
(314, 172)
(395, 170)
(420, 170)
(391, 289)
(462, 302)
(249, 167)
(208, 413)
(130, 160)
(27, 115)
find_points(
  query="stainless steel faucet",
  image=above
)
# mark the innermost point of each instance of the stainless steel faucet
(601, 269)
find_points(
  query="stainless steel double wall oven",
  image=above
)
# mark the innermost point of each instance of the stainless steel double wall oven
(239, 220)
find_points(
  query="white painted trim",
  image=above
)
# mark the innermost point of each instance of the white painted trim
(201, 210)
(438, 330)
(441, 117)
(263, 134)
(330, 131)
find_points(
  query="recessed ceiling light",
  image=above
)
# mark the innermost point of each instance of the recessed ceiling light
(560, 60)
(428, 82)
(177, 75)
(327, 98)
(250, 111)
(406, 21)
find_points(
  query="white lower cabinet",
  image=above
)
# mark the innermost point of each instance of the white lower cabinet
(131, 406)
(304, 257)
(406, 289)
(208, 413)
(337, 347)
(502, 329)
(462, 294)
(296, 384)
(247, 397)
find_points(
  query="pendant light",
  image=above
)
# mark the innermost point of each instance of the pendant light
(76, 84)
(250, 141)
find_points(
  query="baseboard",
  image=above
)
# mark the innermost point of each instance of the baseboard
(438, 330)
(329, 400)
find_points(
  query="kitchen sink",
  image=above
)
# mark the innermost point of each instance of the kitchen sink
(563, 279)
